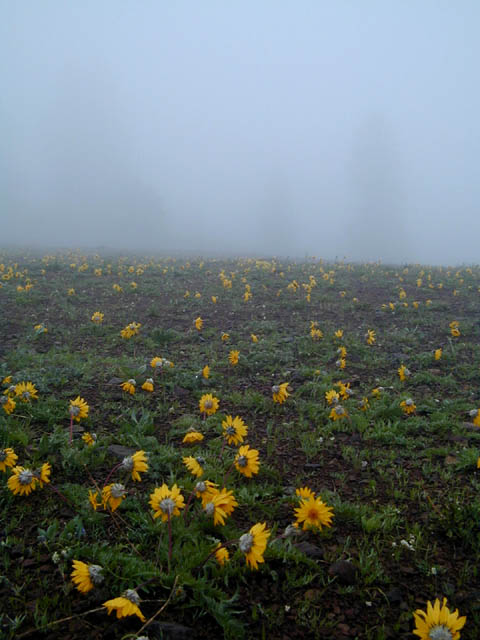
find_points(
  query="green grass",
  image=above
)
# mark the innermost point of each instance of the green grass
(404, 489)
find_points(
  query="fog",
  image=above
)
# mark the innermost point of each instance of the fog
(274, 127)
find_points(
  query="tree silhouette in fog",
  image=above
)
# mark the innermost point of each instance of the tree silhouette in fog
(378, 228)
(93, 178)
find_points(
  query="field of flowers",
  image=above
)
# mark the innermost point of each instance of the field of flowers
(241, 448)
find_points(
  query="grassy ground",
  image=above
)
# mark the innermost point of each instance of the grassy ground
(403, 487)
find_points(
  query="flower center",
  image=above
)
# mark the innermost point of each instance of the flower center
(408, 402)
(242, 461)
(200, 460)
(3, 455)
(26, 395)
(339, 410)
(167, 505)
(117, 490)
(95, 573)
(209, 508)
(25, 477)
(245, 543)
(290, 530)
(440, 632)
(230, 431)
(208, 404)
(312, 514)
(4, 400)
(132, 595)
(127, 463)
(200, 487)
(74, 410)
(132, 381)
(275, 388)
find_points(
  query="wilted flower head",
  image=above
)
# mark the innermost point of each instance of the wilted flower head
(233, 357)
(408, 406)
(192, 436)
(8, 404)
(194, 465)
(136, 464)
(125, 605)
(129, 386)
(86, 576)
(112, 495)
(130, 330)
(219, 504)
(254, 543)
(280, 392)
(26, 391)
(8, 458)
(78, 409)
(221, 555)
(158, 363)
(89, 438)
(337, 413)
(148, 385)
(403, 372)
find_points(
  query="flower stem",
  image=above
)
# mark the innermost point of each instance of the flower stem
(228, 473)
(227, 543)
(222, 449)
(71, 429)
(164, 605)
(59, 494)
(169, 541)
(187, 506)
(111, 473)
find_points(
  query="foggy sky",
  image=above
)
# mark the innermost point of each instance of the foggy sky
(277, 127)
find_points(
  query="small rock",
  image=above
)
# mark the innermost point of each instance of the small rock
(120, 451)
(76, 428)
(181, 392)
(312, 594)
(344, 628)
(458, 438)
(345, 571)
(169, 631)
(394, 595)
(310, 550)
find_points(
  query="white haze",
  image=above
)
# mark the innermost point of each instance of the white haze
(271, 127)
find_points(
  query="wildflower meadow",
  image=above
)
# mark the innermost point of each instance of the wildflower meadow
(238, 448)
